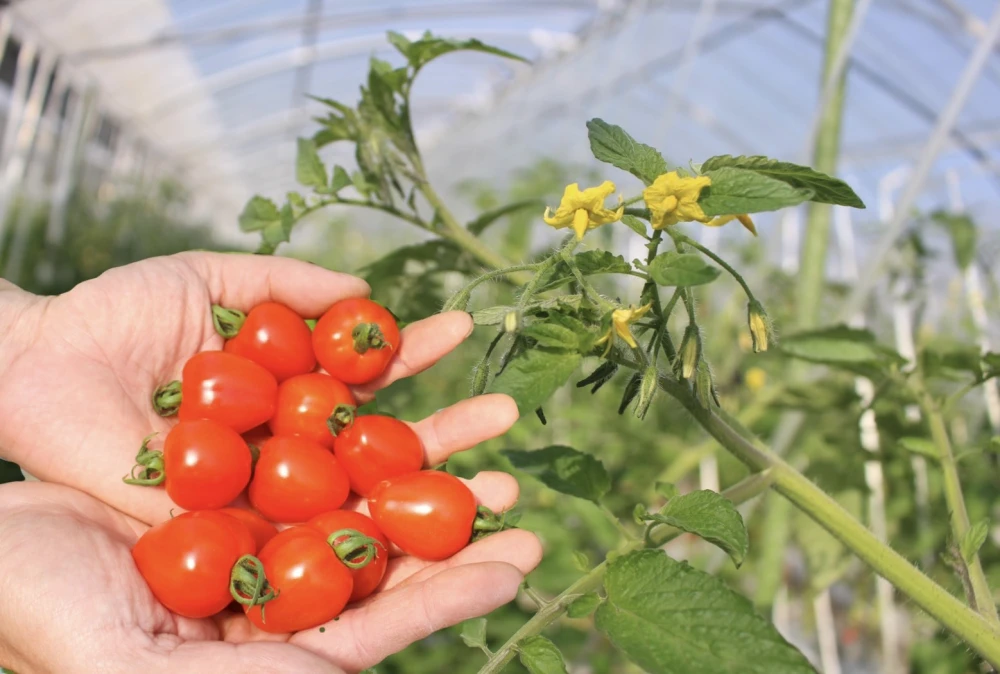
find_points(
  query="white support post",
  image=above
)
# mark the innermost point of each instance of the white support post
(18, 96)
(76, 130)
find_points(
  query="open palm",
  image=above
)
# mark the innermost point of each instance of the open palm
(75, 403)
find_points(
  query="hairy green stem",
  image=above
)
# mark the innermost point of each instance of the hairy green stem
(812, 268)
(722, 263)
(981, 596)
(458, 300)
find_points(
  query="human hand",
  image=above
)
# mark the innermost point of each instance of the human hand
(73, 602)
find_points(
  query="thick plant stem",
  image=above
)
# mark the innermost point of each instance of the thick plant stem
(454, 231)
(739, 493)
(812, 267)
(982, 597)
(965, 623)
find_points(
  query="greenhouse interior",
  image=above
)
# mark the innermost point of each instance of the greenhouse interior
(341, 288)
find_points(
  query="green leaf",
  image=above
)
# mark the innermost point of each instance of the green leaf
(584, 605)
(10, 472)
(258, 214)
(962, 230)
(474, 633)
(681, 269)
(601, 262)
(974, 539)
(479, 225)
(564, 469)
(669, 618)
(491, 316)
(921, 446)
(734, 191)
(341, 179)
(636, 225)
(540, 656)
(297, 201)
(826, 189)
(838, 345)
(667, 490)
(709, 515)
(532, 376)
(421, 52)
(309, 169)
(612, 145)
(948, 361)
(581, 561)
(552, 335)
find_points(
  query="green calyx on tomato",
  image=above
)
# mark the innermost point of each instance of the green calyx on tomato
(368, 336)
(167, 399)
(254, 454)
(353, 548)
(341, 418)
(487, 522)
(149, 463)
(248, 584)
(227, 321)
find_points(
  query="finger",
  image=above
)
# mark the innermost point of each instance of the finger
(242, 281)
(448, 431)
(421, 345)
(206, 657)
(516, 547)
(363, 636)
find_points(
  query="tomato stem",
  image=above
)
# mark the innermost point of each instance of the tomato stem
(248, 584)
(368, 336)
(150, 465)
(353, 548)
(227, 321)
(342, 417)
(167, 399)
(254, 455)
(487, 522)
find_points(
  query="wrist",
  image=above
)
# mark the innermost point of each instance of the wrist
(20, 317)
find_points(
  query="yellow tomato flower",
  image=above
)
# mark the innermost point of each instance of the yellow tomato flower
(620, 321)
(673, 198)
(584, 210)
(755, 378)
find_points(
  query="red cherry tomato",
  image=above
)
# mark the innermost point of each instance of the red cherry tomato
(261, 530)
(296, 479)
(206, 464)
(312, 584)
(276, 338)
(187, 561)
(227, 388)
(374, 448)
(355, 340)
(428, 514)
(305, 403)
(368, 577)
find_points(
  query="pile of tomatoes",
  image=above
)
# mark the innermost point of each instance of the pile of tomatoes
(264, 388)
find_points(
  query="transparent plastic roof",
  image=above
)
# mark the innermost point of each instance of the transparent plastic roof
(218, 86)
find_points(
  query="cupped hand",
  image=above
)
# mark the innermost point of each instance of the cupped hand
(72, 601)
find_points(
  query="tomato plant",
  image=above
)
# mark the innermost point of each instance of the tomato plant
(307, 406)
(311, 581)
(374, 447)
(368, 577)
(296, 479)
(187, 561)
(429, 514)
(271, 335)
(355, 340)
(222, 387)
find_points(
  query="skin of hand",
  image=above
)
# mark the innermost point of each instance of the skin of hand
(76, 375)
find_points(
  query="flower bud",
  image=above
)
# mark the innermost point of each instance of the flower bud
(647, 390)
(480, 377)
(704, 387)
(760, 326)
(690, 352)
(511, 322)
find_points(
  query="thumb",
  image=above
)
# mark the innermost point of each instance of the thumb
(262, 657)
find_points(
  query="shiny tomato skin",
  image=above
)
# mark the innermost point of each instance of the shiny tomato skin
(296, 479)
(313, 585)
(187, 561)
(428, 514)
(276, 338)
(227, 388)
(260, 529)
(368, 577)
(305, 403)
(333, 340)
(206, 464)
(376, 447)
